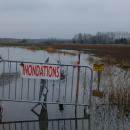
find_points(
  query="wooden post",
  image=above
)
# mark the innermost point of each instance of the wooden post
(77, 87)
(99, 78)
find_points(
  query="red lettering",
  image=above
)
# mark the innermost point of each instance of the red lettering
(25, 69)
(33, 70)
(37, 70)
(43, 71)
(54, 71)
(57, 72)
(40, 71)
(30, 70)
(50, 71)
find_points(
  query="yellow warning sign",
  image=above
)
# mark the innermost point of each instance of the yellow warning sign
(98, 67)
(97, 93)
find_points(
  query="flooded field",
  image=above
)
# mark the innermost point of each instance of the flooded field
(109, 112)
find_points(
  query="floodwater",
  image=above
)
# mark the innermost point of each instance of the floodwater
(18, 116)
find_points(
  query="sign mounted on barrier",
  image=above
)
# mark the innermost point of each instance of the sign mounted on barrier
(40, 71)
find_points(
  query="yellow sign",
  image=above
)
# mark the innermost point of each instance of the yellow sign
(98, 93)
(98, 67)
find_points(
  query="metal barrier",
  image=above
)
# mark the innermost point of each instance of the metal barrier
(15, 88)
(54, 124)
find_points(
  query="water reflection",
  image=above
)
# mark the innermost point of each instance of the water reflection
(8, 78)
(43, 119)
(43, 123)
(101, 118)
(67, 124)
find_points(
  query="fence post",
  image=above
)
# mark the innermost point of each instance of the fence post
(77, 87)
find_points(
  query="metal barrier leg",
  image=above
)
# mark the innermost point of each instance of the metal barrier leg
(44, 106)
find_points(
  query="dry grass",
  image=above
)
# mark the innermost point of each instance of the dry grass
(69, 52)
(121, 98)
(118, 54)
(119, 89)
(122, 63)
(51, 50)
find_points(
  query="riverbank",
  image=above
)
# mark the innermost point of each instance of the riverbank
(111, 53)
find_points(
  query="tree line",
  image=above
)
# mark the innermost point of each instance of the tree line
(102, 38)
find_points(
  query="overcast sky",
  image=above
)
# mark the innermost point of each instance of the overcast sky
(62, 18)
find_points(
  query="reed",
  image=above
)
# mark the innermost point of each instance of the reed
(119, 89)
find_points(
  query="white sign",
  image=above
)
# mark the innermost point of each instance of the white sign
(40, 71)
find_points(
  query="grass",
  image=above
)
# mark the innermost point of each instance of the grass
(115, 85)
(122, 63)
(69, 52)
(118, 91)
(121, 98)
(51, 50)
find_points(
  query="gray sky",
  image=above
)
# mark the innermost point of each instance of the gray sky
(62, 18)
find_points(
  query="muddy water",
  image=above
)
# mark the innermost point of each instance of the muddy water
(21, 111)
(102, 117)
